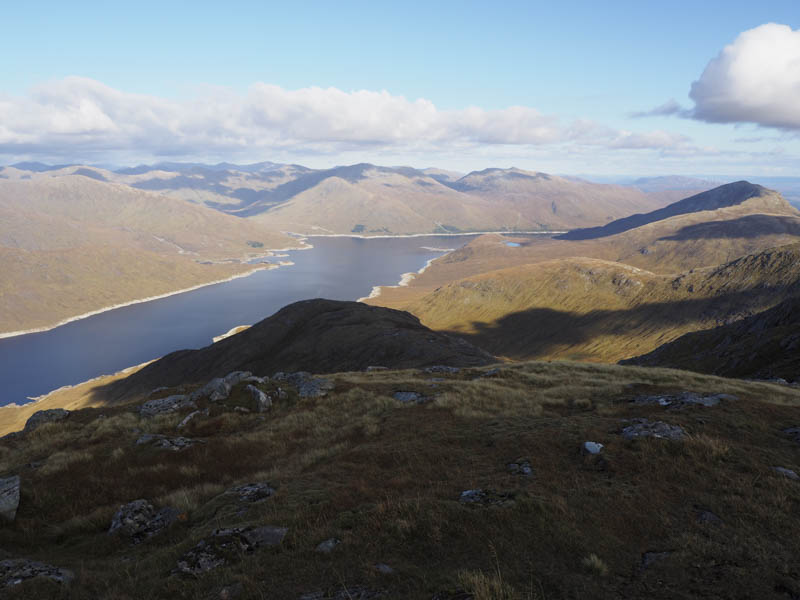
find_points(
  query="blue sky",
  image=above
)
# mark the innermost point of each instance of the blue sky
(574, 66)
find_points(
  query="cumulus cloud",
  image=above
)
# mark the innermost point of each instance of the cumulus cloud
(756, 79)
(669, 108)
(80, 116)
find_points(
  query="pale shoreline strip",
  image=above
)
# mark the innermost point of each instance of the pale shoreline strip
(264, 267)
(416, 235)
(405, 279)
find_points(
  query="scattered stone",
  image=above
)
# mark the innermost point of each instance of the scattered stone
(241, 409)
(9, 497)
(794, 433)
(191, 416)
(254, 379)
(485, 497)
(442, 369)
(328, 545)
(166, 405)
(263, 402)
(685, 399)
(17, 570)
(138, 520)
(657, 429)
(226, 545)
(251, 492)
(706, 517)
(648, 558)
(592, 448)
(306, 384)
(384, 569)
(786, 473)
(376, 368)
(406, 397)
(161, 441)
(41, 417)
(521, 467)
(157, 390)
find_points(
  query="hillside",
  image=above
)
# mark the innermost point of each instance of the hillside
(641, 288)
(480, 490)
(765, 345)
(72, 244)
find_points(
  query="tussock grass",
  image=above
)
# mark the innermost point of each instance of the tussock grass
(385, 478)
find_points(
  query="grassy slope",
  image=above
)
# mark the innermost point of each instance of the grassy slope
(72, 245)
(385, 479)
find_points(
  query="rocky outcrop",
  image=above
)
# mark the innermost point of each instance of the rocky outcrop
(170, 404)
(642, 428)
(15, 571)
(175, 444)
(320, 336)
(9, 497)
(307, 385)
(486, 498)
(220, 388)
(40, 417)
(139, 520)
(225, 546)
(262, 400)
(685, 399)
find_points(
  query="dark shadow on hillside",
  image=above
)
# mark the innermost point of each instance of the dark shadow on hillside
(537, 333)
(725, 195)
(750, 226)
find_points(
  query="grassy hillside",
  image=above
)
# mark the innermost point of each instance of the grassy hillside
(705, 515)
(73, 244)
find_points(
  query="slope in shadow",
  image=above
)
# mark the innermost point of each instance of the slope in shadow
(750, 226)
(723, 196)
(321, 336)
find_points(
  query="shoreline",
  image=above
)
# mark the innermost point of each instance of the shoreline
(265, 267)
(405, 278)
(415, 235)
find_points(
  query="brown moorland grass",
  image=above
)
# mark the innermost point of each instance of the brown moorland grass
(385, 478)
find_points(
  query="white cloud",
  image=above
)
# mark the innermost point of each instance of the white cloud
(756, 79)
(80, 117)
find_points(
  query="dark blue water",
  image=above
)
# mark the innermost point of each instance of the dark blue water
(337, 268)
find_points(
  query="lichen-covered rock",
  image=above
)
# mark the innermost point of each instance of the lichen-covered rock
(175, 444)
(220, 388)
(306, 384)
(9, 497)
(227, 545)
(41, 417)
(139, 520)
(14, 571)
(685, 399)
(263, 401)
(166, 405)
(251, 492)
(407, 397)
(642, 428)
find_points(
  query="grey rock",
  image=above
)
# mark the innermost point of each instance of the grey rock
(373, 369)
(788, 473)
(241, 409)
(41, 417)
(521, 467)
(328, 545)
(490, 373)
(384, 569)
(648, 558)
(406, 397)
(237, 377)
(591, 448)
(166, 405)
(705, 516)
(138, 520)
(15, 571)
(442, 369)
(175, 444)
(263, 401)
(485, 497)
(685, 399)
(191, 416)
(215, 390)
(656, 429)
(794, 433)
(257, 380)
(9, 497)
(225, 545)
(251, 492)
(306, 384)
(231, 591)
(157, 390)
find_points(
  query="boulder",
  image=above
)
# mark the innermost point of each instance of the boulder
(9, 497)
(138, 520)
(591, 448)
(227, 545)
(15, 571)
(251, 492)
(685, 399)
(175, 444)
(406, 397)
(794, 433)
(788, 473)
(41, 417)
(520, 467)
(657, 429)
(263, 402)
(442, 369)
(166, 405)
(485, 497)
(306, 384)
(192, 415)
(327, 546)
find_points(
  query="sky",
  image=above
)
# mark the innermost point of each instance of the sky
(620, 87)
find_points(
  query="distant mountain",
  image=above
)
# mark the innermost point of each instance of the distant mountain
(72, 244)
(38, 167)
(728, 195)
(321, 336)
(673, 182)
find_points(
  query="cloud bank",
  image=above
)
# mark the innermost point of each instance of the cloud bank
(77, 116)
(756, 79)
